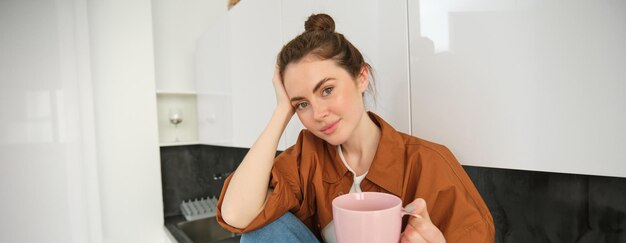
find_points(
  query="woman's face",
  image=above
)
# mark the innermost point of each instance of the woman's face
(327, 99)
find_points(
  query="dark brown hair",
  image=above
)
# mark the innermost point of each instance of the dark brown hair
(320, 40)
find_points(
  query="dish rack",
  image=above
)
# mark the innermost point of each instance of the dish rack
(195, 209)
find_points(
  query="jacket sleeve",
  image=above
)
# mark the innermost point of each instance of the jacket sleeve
(454, 204)
(286, 194)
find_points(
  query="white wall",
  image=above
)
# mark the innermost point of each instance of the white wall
(538, 85)
(126, 127)
(79, 159)
(48, 174)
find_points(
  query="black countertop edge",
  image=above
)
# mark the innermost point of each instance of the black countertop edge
(171, 223)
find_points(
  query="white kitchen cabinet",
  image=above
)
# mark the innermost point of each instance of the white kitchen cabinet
(533, 85)
(235, 61)
(176, 29)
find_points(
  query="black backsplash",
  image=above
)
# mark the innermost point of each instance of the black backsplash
(195, 171)
(527, 206)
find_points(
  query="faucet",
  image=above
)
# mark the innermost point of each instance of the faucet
(219, 176)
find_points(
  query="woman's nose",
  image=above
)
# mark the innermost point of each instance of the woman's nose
(320, 111)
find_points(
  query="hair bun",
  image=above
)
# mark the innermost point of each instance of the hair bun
(321, 22)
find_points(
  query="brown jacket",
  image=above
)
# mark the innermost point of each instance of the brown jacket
(309, 175)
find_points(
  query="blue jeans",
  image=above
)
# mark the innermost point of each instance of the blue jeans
(287, 228)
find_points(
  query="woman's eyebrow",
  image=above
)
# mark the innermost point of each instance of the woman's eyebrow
(320, 83)
(298, 98)
(317, 87)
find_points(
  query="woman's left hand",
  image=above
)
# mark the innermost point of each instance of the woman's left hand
(420, 229)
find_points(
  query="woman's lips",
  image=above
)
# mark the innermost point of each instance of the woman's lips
(330, 128)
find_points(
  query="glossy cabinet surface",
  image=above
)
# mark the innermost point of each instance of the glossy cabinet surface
(235, 62)
(78, 140)
(535, 85)
(47, 130)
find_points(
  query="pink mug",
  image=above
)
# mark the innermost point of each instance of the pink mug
(368, 217)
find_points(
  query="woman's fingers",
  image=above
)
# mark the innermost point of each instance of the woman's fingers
(410, 235)
(276, 77)
(422, 225)
(418, 206)
(282, 100)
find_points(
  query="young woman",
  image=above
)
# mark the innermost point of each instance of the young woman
(322, 77)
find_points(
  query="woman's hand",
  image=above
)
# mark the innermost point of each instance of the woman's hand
(420, 229)
(282, 100)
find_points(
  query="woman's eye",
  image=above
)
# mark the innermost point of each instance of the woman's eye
(327, 91)
(301, 105)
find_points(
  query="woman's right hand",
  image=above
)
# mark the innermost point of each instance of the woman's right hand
(420, 229)
(282, 100)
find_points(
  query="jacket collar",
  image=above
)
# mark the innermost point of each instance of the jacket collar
(388, 162)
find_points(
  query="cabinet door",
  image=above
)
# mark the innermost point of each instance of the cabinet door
(214, 86)
(379, 30)
(537, 85)
(255, 39)
(235, 60)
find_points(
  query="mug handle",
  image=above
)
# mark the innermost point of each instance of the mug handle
(404, 213)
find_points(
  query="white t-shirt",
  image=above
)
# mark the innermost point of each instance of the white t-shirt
(328, 233)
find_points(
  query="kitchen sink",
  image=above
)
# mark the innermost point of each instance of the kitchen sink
(206, 230)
